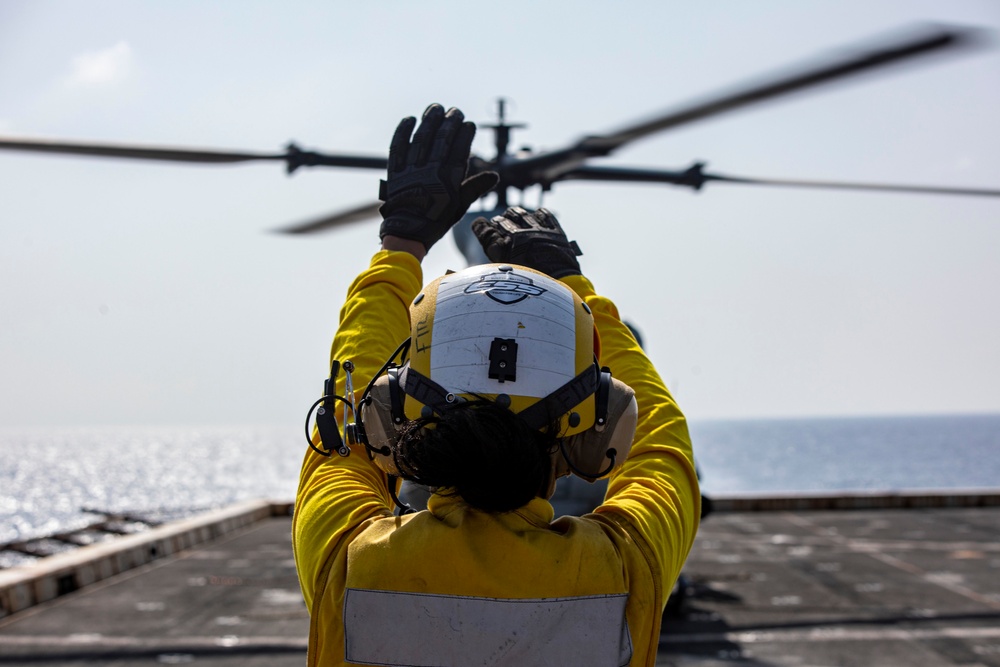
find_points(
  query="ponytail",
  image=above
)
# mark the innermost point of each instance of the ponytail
(479, 451)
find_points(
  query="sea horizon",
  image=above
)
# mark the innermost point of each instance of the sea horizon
(54, 477)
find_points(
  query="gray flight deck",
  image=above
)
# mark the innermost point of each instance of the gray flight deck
(868, 587)
(917, 586)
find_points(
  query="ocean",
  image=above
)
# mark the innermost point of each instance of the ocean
(50, 478)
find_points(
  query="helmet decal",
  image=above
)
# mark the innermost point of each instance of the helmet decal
(506, 287)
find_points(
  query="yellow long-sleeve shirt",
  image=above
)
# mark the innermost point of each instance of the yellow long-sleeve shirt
(519, 587)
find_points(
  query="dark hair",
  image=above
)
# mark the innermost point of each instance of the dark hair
(480, 451)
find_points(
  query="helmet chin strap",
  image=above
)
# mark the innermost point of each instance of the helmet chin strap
(612, 454)
(562, 466)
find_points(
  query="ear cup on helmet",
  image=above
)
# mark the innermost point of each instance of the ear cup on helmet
(380, 427)
(589, 454)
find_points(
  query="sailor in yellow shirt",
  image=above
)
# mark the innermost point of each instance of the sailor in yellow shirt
(517, 373)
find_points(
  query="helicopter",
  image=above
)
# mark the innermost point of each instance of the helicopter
(119, 225)
(523, 169)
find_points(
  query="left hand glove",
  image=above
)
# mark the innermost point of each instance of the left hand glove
(532, 239)
(425, 191)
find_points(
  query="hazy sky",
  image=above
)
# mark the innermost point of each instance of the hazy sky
(148, 293)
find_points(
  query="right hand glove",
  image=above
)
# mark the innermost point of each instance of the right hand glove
(424, 191)
(534, 240)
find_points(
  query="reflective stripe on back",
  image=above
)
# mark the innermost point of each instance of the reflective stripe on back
(417, 629)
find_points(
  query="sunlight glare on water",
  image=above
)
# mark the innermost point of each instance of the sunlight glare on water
(50, 475)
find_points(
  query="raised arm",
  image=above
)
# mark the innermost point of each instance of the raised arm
(425, 193)
(656, 489)
(337, 493)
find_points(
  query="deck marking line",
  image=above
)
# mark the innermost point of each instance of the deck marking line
(866, 548)
(165, 644)
(829, 634)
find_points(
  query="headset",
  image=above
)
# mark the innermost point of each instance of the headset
(590, 450)
(378, 417)
(331, 437)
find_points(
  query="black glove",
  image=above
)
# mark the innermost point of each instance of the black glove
(534, 240)
(424, 191)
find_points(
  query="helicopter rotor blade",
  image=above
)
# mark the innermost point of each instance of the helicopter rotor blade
(293, 157)
(546, 167)
(356, 214)
(845, 185)
(934, 40)
(132, 151)
(695, 178)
